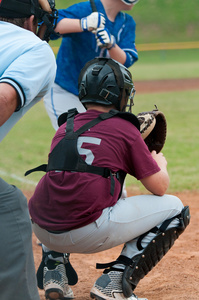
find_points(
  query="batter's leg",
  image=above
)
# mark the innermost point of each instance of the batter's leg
(58, 101)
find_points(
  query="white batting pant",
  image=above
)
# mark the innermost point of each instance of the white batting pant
(57, 101)
(120, 224)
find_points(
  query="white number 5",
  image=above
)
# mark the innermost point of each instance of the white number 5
(82, 151)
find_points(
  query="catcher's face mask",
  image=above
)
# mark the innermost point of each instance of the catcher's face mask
(127, 100)
(130, 102)
(43, 10)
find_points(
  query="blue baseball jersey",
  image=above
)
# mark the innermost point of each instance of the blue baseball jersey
(28, 64)
(78, 48)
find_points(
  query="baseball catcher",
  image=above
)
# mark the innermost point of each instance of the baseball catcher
(76, 206)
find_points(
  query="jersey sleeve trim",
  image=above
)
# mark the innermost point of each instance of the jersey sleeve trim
(131, 57)
(18, 88)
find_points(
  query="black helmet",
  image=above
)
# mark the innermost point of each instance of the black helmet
(105, 81)
(43, 10)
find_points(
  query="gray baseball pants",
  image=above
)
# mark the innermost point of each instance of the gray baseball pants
(120, 224)
(17, 269)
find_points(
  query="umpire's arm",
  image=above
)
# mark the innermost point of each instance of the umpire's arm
(9, 101)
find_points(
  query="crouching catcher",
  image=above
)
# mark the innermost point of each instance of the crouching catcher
(76, 207)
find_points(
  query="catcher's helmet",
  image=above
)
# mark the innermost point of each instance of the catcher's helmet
(129, 2)
(105, 81)
(43, 10)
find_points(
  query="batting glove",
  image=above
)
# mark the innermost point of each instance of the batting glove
(92, 22)
(105, 39)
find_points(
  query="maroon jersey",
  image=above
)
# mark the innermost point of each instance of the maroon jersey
(66, 200)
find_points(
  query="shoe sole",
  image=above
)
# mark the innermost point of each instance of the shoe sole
(54, 294)
(93, 296)
(97, 295)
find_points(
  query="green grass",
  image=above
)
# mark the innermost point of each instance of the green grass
(26, 146)
(166, 20)
(182, 144)
(166, 64)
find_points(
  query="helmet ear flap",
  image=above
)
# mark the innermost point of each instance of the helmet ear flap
(82, 91)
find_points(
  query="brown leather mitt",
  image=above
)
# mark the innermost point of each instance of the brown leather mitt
(153, 128)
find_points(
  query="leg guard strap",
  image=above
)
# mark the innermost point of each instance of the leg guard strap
(142, 263)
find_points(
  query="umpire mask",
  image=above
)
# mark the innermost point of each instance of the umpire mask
(43, 10)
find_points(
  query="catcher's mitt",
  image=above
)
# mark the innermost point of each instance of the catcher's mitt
(153, 128)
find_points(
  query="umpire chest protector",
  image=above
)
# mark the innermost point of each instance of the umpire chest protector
(65, 155)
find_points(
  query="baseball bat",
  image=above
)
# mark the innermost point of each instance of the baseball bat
(93, 6)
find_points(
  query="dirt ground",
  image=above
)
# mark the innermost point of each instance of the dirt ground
(157, 86)
(176, 277)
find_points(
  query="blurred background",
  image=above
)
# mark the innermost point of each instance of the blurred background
(167, 39)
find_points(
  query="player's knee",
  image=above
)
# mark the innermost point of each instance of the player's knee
(178, 205)
(174, 203)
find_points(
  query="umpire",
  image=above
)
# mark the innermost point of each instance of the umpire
(27, 70)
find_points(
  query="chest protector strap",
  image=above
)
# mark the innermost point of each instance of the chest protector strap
(65, 156)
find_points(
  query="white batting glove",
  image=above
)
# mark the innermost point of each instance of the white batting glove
(92, 22)
(104, 38)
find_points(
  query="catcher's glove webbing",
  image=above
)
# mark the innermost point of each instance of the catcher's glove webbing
(153, 128)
